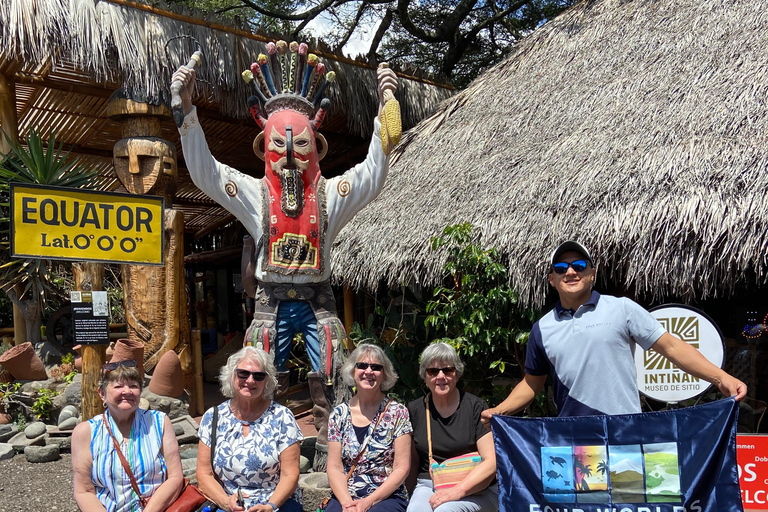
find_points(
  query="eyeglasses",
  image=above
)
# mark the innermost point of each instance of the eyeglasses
(128, 363)
(447, 371)
(374, 367)
(244, 374)
(562, 267)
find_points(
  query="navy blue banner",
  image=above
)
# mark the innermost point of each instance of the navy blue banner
(671, 461)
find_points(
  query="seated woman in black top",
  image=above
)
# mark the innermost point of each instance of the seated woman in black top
(456, 429)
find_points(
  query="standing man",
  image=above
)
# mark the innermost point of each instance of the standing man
(587, 343)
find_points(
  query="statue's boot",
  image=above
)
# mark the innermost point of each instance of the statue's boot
(283, 383)
(320, 413)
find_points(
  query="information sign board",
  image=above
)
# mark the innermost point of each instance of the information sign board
(90, 317)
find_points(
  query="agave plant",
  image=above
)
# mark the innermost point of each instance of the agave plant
(28, 282)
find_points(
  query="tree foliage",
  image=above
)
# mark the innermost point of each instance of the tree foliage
(453, 39)
(476, 311)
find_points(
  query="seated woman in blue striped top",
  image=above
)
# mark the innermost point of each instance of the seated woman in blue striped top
(146, 442)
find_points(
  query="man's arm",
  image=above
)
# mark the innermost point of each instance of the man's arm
(690, 360)
(523, 394)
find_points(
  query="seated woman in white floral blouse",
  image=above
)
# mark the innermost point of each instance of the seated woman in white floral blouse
(257, 441)
(371, 436)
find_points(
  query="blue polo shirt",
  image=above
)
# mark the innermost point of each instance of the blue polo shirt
(590, 354)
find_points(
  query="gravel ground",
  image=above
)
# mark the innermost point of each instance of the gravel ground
(25, 486)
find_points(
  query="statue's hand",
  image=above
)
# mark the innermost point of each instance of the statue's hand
(387, 83)
(389, 109)
(186, 76)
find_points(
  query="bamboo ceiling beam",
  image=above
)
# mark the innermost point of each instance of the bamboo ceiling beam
(216, 225)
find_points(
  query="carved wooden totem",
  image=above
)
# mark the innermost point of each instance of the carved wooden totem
(155, 297)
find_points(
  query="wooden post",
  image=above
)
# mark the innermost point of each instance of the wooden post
(90, 277)
(197, 361)
(349, 313)
(9, 126)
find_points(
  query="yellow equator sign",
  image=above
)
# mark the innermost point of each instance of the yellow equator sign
(80, 225)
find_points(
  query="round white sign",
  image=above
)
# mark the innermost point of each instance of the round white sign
(657, 377)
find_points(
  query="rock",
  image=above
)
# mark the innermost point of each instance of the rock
(188, 453)
(315, 488)
(8, 433)
(188, 427)
(20, 441)
(178, 430)
(173, 407)
(23, 363)
(48, 354)
(69, 424)
(47, 453)
(34, 430)
(304, 465)
(6, 451)
(5, 419)
(144, 404)
(36, 385)
(67, 412)
(189, 467)
(64, 442)
(74, 393)
(167, 378)
(308, 447)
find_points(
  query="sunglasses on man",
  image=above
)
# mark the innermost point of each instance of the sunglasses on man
(562, 267)
(244, 374)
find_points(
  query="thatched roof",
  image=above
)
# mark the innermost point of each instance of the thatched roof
(66, 57)
(637, 127)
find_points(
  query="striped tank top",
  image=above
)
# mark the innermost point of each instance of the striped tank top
(143, 453)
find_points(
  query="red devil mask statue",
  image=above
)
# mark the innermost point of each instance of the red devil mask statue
(293, 181)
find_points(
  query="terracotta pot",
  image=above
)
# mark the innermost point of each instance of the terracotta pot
(168, 379)
(5, 376)
(125, 349)
(22, 362)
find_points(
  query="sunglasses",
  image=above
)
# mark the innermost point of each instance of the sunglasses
(374, 367)
(562, 267)
(244, 374)
(447, 371)
(128, 363)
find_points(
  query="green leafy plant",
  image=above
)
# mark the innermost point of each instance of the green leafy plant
(43, 403)
(477, 312)
(68, 359)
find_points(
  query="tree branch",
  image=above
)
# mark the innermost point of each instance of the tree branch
(407, 23)
(353, 26)
(309, 14)
(386, 22)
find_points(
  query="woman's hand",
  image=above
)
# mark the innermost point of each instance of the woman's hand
(260, 508)
(445, 495)
(361, 505)
(232, 505)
